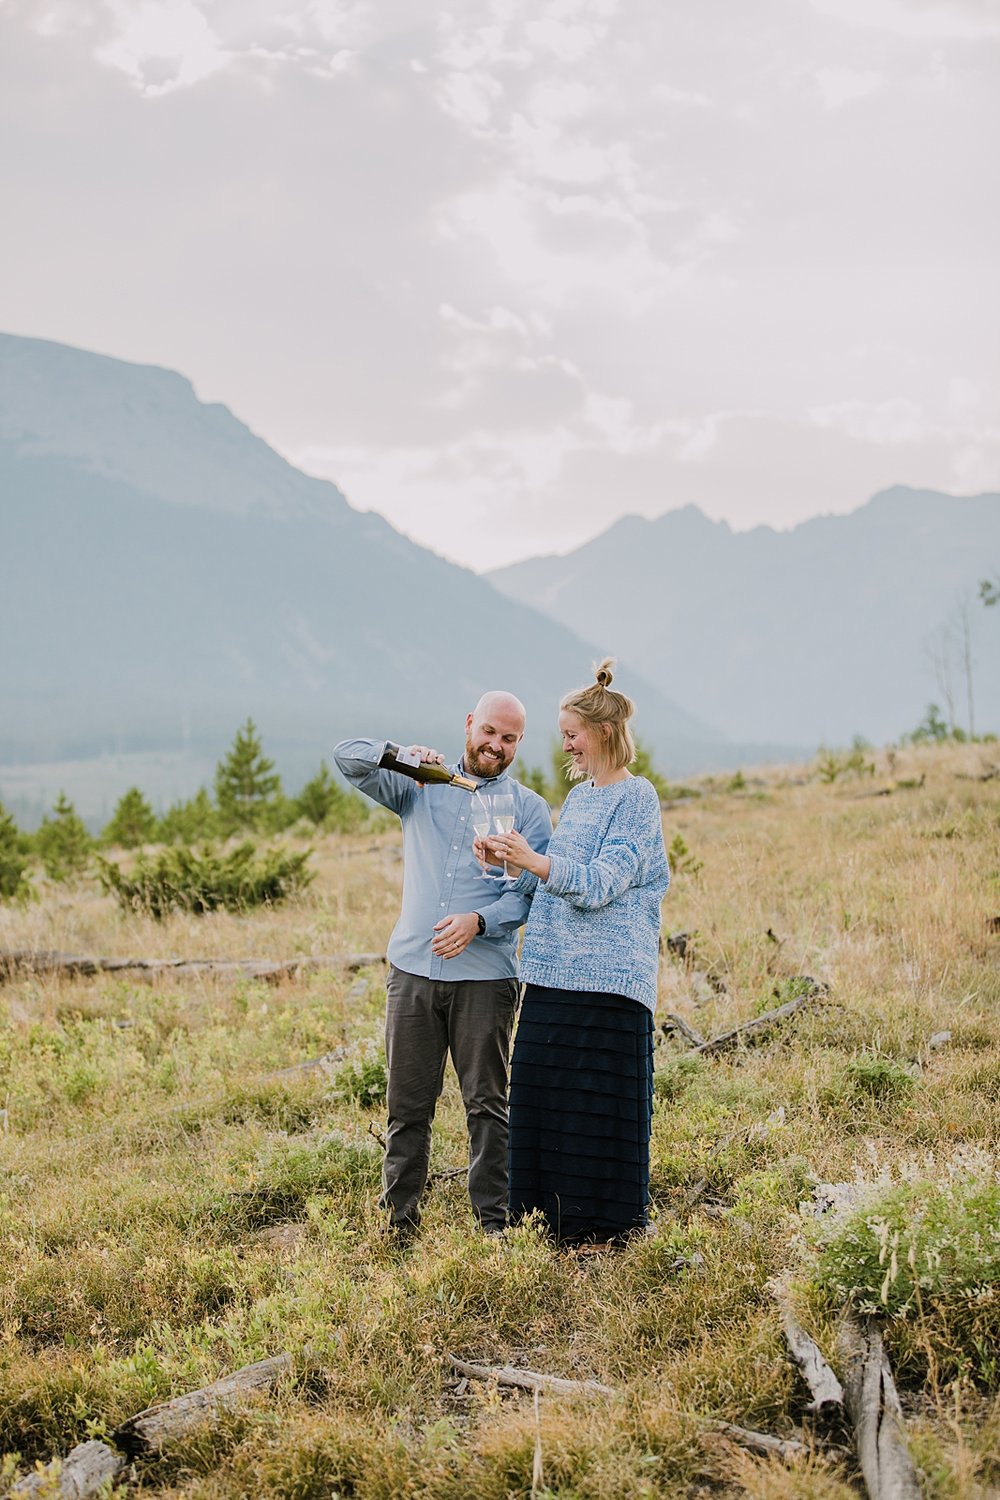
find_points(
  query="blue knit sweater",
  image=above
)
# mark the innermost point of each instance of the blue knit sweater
(595, 922)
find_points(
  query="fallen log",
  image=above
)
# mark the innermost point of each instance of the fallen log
(150, 1430)
(530, 1380)
(749, 1030)
(826, 1390)
(42, 962)
(873, 1406)
(82, 1472)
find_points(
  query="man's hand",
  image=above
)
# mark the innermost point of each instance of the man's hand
(452, 935)
(433, 757)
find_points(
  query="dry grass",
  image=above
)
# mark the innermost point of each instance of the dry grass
(171, 1209)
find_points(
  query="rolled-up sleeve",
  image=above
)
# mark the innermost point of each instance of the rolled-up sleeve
(357, 761)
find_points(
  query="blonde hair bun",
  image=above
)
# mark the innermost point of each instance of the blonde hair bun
(601, 708)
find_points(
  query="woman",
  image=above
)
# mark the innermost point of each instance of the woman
(581, 1078)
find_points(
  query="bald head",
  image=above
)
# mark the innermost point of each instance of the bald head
(493, 732)
(497, 703)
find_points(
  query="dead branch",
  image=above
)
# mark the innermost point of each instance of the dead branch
(750, 1030)
(150, 1430)
(27, 962)
(81, 1473)
(530, 1380)
(759, 1442)
(873, 1406)
(323, 1064)
(673, 1022)
(699, 1188)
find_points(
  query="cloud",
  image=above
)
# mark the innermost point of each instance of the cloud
(887, 422)
(171, 38)
(953, 20)
(841, 86)
(545, 262)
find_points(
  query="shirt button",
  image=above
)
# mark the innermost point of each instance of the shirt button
(442, 903)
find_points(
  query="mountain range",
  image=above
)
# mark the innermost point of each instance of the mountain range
(804, 636)
(166, 575)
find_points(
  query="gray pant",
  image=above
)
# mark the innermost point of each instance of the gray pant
(425, 1019)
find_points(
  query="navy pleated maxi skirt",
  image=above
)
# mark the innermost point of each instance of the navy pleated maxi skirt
(581, 1105)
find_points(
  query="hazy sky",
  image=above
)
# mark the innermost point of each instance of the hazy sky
(509, 269)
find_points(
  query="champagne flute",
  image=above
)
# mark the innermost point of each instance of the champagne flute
(503, 816)
(482, 822)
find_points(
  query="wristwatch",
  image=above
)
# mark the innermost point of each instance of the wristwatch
(482, 923)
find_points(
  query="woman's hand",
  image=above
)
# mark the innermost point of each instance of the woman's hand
(484, 854)
(513, 850)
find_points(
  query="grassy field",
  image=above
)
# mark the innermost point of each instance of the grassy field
(174, 1205)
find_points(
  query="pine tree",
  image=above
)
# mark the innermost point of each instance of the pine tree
(329, 806)
(245, 782)
(319, 796)
(63, 842)
(643, 766)
(13, 863)
(191, 822)
(133, 823)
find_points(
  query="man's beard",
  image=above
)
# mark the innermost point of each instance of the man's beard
(487, 767)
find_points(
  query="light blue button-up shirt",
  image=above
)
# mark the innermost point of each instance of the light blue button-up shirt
(441, 875)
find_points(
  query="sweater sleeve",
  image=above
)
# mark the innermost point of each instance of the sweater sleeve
(617, 862)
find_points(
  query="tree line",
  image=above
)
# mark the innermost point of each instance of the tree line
(247, 799)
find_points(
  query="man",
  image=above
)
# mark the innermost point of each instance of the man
(452, 984)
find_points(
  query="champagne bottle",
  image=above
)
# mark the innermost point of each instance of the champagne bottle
(408, 763)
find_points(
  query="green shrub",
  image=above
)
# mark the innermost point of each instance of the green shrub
(927, 1255)
(872, 1076)
(682, 861)
(671, 1082)
(286, 1174)
(63, 843)
(831, 763)
(185, 880)
(133, 822)
(363, 1078)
